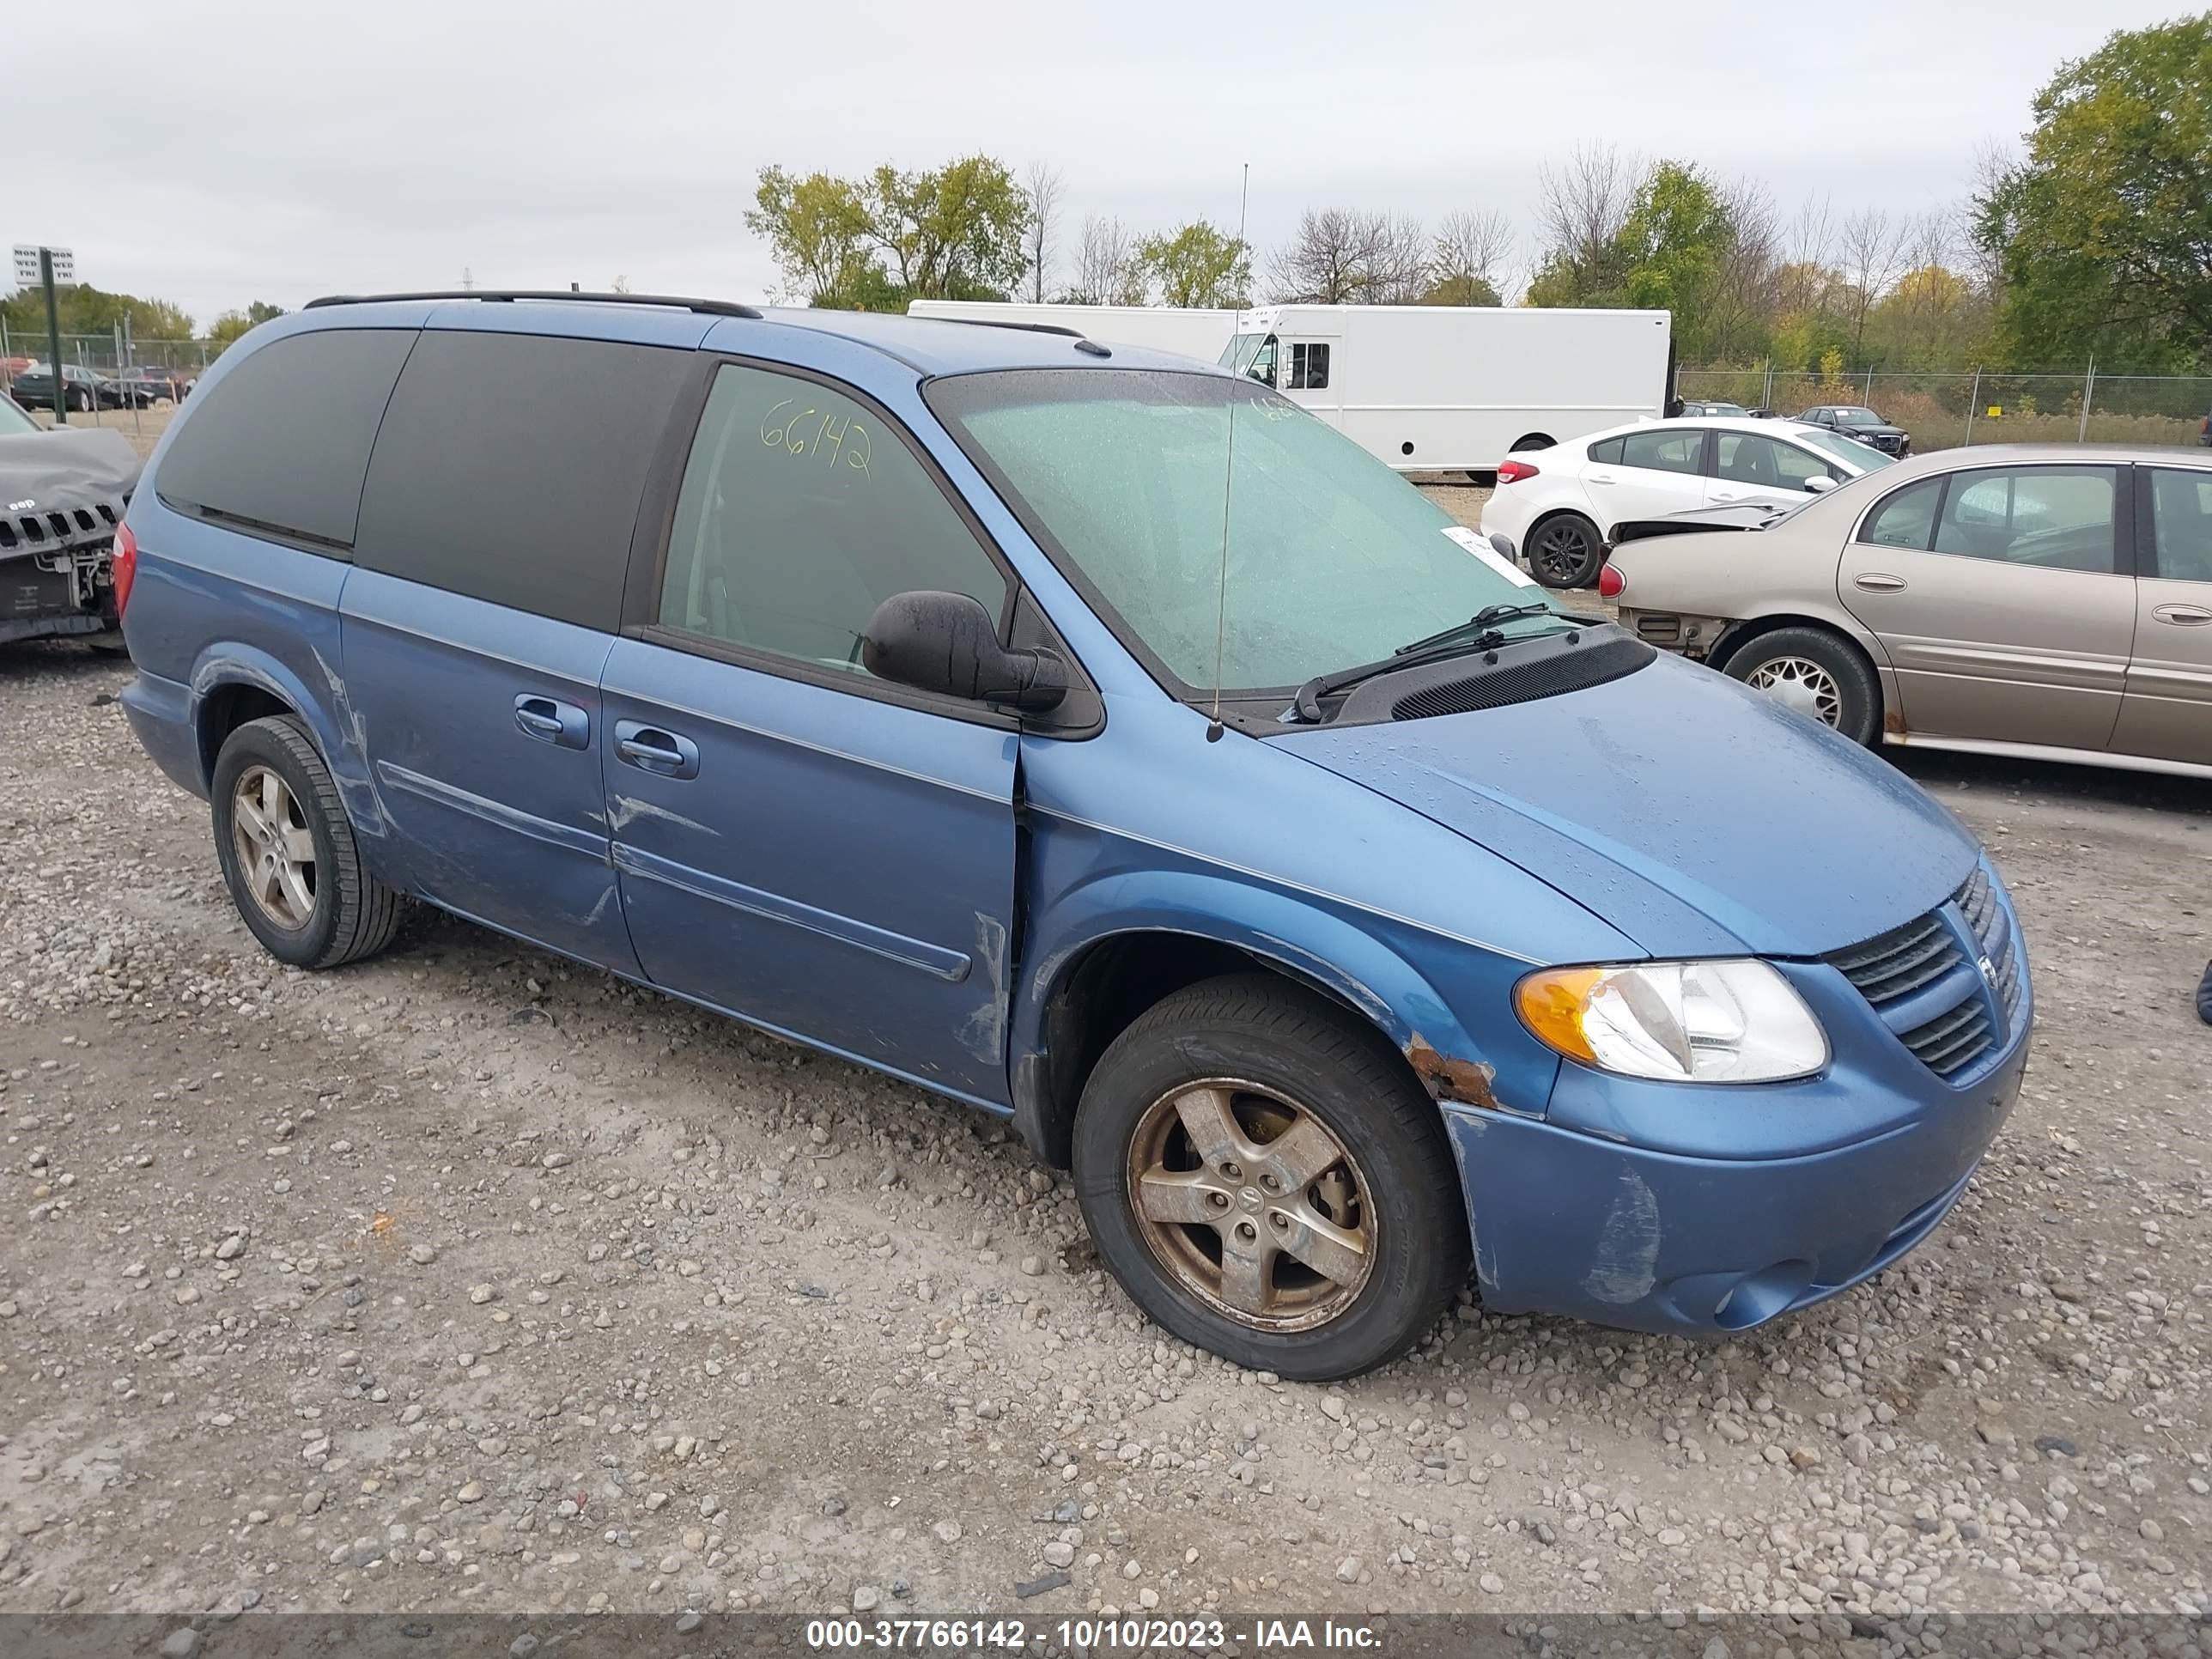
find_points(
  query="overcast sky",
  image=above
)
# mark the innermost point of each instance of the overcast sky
(275, 151)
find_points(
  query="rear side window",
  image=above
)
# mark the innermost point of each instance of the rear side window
(1663, 452)
(510, 468)
(2181, 518)
(1608, 452)
(1906, 519)
(281, 442)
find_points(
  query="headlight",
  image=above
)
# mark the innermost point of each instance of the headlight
(1681, 1022)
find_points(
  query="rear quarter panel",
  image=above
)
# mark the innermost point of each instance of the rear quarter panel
(1744, 575)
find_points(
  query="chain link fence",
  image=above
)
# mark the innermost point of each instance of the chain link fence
(107, 354)
(1945, 408)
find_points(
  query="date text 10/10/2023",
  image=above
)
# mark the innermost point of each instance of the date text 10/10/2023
(1008, 1635)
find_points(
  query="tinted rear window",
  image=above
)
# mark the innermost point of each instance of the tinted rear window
(282, 439)
(510, 468)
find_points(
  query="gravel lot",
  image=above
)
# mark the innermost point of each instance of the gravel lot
(470, 1278)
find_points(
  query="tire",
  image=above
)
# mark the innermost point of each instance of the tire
(1565, 550)
(1529, 440)
(80, 401)
(1394, 1188)
(347, 914)
(1789, 664)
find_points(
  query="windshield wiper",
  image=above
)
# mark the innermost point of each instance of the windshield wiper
(1482, 622)
(1477, 633)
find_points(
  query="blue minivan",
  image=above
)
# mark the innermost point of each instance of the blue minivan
(1098, 738)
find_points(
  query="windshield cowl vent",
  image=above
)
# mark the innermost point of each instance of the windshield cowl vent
(1604, 654)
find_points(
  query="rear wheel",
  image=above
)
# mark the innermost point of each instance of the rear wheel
(287, 852)
(1565, 550)
(1269, 1183)
(1815, 673)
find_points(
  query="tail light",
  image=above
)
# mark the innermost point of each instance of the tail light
(123, 566)
(1514, 471)
(1610, 583)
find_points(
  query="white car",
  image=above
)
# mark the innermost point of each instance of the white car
(1556, 507)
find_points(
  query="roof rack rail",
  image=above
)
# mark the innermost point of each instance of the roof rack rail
(712, 307)
(1008, 322)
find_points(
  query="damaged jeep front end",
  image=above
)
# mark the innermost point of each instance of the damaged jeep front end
(62, 497)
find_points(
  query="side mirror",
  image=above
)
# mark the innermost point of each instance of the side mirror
(1819, 484)
(948, 642)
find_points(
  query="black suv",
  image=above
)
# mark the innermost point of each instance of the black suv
(1862, 424)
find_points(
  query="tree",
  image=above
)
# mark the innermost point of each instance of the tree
(83, 309)
(1105, 266)
(1043, 190)
(955, 233)
(1464, 258)
(1580, 209)
(1341, 256)
(1871, 250)
(815, 229)
(231, 324)
(1196, 266)
(2105, 228)
(1669, 248)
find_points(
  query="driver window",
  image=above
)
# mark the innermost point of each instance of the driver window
(801, 511)
(1263, 362)
(2057, 517)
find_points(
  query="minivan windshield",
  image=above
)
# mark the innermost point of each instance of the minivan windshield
(1123, 475)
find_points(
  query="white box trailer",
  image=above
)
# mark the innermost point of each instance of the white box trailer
(1458, 388)
(1193, 332)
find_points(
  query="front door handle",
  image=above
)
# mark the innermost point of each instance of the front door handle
(2186, 616)
(553, 721)
(1724, 495)
(649, 749)
(1876, 581)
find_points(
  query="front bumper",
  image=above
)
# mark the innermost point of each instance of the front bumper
(1678, 1209)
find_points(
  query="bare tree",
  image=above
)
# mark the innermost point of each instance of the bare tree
(1326, 262)
(1979, 220)
(1749, 284)
(1398, 266)
(1470, 249)
(1105, 265)
(1806, 282)
(1343, 257)
(1043, 188)
(1872, 249)
(1581, 206)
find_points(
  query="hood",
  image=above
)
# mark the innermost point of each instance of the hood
(67, 467)
(1692, 814)
(1884, 429)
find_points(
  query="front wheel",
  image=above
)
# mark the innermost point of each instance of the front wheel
(1566, 551)
(1267, 1182)
(81, 402)
(1815, 673)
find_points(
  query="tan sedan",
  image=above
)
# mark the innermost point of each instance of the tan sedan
(2044, 600)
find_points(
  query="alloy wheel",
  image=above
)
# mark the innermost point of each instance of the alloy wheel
(275, 848)
(1561, 550)
(1252, 1204)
